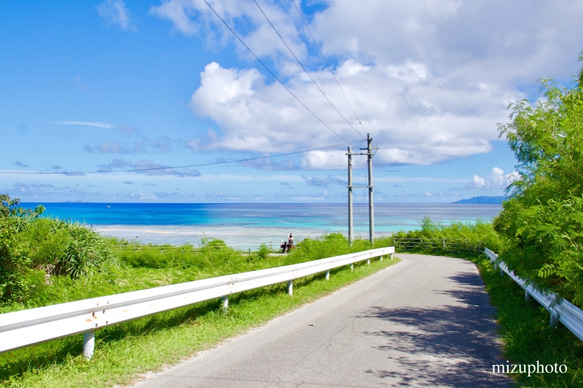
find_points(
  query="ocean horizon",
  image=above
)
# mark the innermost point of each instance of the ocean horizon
(248, 225)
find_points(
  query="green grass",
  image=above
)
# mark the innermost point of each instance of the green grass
(123, 352)
(527, 335)
(524, 325)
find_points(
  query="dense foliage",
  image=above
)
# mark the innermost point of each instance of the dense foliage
(34, 250)
(542, 222)
(461, 239)
(46, 261)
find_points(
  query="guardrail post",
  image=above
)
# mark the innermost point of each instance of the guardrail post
(56, 321)
(225, 304)
(352, 267)
(88, 344)
(368, 261)
(554, 320)
(290, 288)
(328, 275)
(526, 296)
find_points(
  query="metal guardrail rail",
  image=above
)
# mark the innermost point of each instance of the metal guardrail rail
(560, 310)
(27, 327)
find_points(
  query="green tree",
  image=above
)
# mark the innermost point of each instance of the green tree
(542, 221)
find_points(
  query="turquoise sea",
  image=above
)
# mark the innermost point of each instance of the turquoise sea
(246, 226)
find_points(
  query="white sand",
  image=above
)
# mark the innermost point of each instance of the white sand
(234, 236)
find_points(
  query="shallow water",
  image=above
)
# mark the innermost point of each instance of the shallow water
(246, 226)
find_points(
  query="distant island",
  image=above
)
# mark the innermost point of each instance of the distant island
(482, 200)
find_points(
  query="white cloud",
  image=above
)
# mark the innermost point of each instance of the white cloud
(192, 17)
(416, 123)
(479, 181)
(430, 81)
(86, 124)
(468, 39)
(324, 160)
(495, 181)
(179, 13)
(115, 12)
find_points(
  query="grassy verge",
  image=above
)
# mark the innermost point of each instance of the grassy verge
(125, 351)
(524, 325)
(527, 335)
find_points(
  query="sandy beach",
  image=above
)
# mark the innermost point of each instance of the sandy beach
(234, 236)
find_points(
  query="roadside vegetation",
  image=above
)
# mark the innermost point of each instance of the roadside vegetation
(542, 222)
(524, 325)
(47, 261)
(539, 233)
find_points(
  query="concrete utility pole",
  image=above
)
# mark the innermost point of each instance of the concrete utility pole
(369, 154)
(349, 195)
(370, 199)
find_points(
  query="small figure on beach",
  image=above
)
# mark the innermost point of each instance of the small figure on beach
(289, 244)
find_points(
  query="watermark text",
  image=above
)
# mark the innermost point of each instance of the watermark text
(529, 369)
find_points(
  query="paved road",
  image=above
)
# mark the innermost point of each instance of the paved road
(423, 322)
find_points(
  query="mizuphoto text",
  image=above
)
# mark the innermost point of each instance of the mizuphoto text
(529, 369)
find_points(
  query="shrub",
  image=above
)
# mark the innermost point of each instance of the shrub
(32, 249)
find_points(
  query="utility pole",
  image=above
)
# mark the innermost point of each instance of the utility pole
(369, 154)
(370, 186)
(349, 195)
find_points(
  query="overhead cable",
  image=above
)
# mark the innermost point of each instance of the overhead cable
(162, 167)
(305, 70)
(273, 74)
(314, 42)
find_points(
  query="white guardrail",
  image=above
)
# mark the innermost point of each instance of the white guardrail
(561, 310)
(27, 327)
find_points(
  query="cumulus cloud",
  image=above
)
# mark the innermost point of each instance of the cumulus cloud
(195, 17)
(326, 160)
(429, 81)
(496, 180)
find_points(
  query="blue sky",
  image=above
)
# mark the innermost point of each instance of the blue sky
(159, 101)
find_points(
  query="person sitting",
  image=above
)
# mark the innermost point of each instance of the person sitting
(290, 242)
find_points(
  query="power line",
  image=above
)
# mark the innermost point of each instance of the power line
(162, 167)
(273, 74)
(305, 70)
(326, 63)
(237, 160)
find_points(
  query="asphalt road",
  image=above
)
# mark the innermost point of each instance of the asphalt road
(423, 322)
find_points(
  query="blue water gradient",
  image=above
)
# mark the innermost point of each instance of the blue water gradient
(248, 225)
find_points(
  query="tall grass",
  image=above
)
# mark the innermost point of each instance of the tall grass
(527, 335)
(127, 350)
